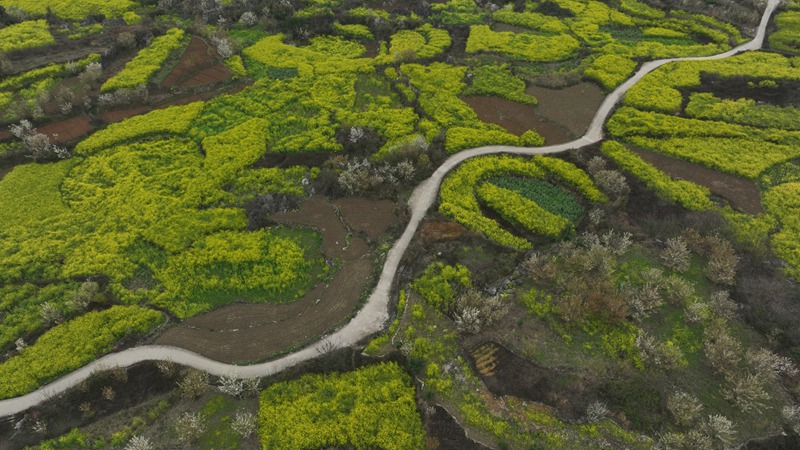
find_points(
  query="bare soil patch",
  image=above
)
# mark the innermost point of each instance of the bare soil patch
(372, 49)
(498, 26)
(505, 373)
(441, 230)
(517, 118)
(740, 192)
(121, 114)
(572, 107)
(318, 213)
(244, 333)
(68, 130)
(443, 430)
(372, 217)
(199, 66)
(284, 160)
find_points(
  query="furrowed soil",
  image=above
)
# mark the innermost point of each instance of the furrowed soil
(572, 107)
(442, 230)
(243, 333)
(68, 130)
(517, 118)
(199, 66)
(740, 192)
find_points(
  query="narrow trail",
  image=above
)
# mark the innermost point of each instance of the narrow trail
(371, 318)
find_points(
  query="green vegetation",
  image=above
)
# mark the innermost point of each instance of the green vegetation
(552, 198)
(787, 37)
(610, 70)
(29, 34)
(69, 9)
(783, 202)
(459, 200)
(439, 284)
(716, 132)
(174, 120)
(71, 345)
(368, 408)
(147, 62)
(526, 47)
(682, 192)
(498, 80)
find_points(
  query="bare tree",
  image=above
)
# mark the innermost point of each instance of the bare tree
(194, 384)
(685, 408)
(721, 429)
(231, 385)
(189, 426)
(244, 423)
(676, 255)
(37, 145)
(139, 443)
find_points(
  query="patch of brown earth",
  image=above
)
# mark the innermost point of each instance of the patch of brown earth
(740, 192)
(372, 217)
(216, 73)
(444, 433)
(121, 114)
(439, 231)
(517, 118)
(572, 107)
(68, 130)
(318, 213)
(372, 49)
(242, 333)
(505, 373)
(199, 66)
(500, 27)
(285, 160)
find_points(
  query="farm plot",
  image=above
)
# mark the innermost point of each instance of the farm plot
(199, 65)
(536, 207)
(730, 133)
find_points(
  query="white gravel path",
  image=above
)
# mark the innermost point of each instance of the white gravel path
(374, 314)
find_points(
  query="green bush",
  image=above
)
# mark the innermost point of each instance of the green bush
(439, 284)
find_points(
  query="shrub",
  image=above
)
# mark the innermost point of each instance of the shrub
(440, 285)
(676, 255)
(685, 408)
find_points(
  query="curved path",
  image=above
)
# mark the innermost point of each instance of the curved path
(371, 318)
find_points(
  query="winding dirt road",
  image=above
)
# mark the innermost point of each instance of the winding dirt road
(374, 314)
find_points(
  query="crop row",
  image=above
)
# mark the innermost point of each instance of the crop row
(521, 46)
(743, 111)
(147, 62)
(459, 201)
(518, 210)
(783, 202)
(552, 198)
(70, 9)
(71, 345)
(682, 192)
(29, 34)
(373, 407)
